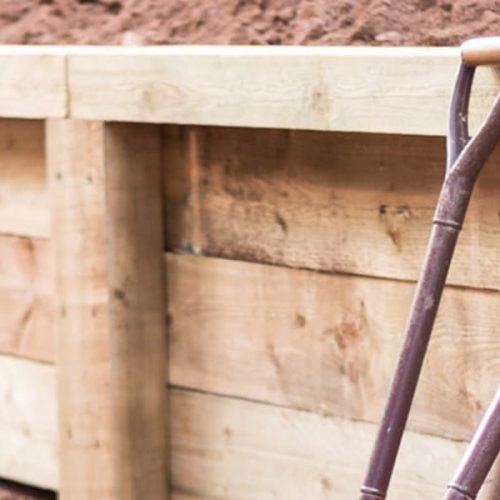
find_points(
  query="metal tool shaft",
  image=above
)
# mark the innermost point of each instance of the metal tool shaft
(450, 213)
(480, 456)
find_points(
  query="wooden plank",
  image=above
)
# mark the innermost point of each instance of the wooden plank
(137, 308)
(371, 89)
(82, 325)
(219, 442)
(26, 298)
(366, 89)
(108, 254)
(32, 82)
(232, 449)
(23, 195)
(354, 203)
(327, 343)
(491, 487)
(28, 422)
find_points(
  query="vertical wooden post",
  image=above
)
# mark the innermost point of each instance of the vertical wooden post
(107, 237)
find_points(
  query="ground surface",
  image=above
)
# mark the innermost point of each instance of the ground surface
(12, 491)
(308, 22)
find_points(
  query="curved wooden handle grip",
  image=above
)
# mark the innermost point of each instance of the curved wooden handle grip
(481, 51)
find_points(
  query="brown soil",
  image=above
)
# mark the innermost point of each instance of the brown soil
(304, 22)
(14, 491)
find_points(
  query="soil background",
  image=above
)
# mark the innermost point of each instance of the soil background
(257, 22)
(13, 491)
(263, 22)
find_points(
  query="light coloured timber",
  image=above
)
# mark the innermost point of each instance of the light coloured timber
(108, 257)
(327, 343)
(491, 486)
(354, 203)
(23, 194)
(224, 447)
(390, 90)
(26, 326)
(401, 90)
(230, 450)
(28, 423)
(25, 294)
(32, 82)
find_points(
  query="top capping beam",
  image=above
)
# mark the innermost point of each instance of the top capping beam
(401, 90)
(32, 83)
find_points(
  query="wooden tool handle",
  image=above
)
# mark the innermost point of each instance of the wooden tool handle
(481, 51)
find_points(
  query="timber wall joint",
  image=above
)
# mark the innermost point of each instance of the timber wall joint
(147, 152)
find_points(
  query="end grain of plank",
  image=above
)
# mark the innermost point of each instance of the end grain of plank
(32, 83)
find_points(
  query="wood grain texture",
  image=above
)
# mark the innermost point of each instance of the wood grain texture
(491, 487)
(136, 282)
(370, 89)
(23, 193)
(327, 343)
(28, 422)
(32, 82)
(232, 449)
(353, 203)
(390, 90)
(76, 177)
(105, 189)
(26, 326)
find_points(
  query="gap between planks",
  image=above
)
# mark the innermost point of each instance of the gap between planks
(281, 329)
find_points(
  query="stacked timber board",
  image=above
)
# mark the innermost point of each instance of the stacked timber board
(291, 257)
(295, 256)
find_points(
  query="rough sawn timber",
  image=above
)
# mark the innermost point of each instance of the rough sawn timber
(351, 203)
(32, 82)
(28, 422)
(108, 263)
(269, 452)
(234, 450)
(26, 315)
(401, 90)
(24, 207)
(327, 343)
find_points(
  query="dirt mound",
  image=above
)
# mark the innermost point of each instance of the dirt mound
(263, 22)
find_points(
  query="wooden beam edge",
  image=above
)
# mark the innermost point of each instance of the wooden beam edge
(400, 90)
(33, 83)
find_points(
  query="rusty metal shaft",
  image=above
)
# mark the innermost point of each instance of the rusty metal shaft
(480, 456)
(424, 309)
(450, 213)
